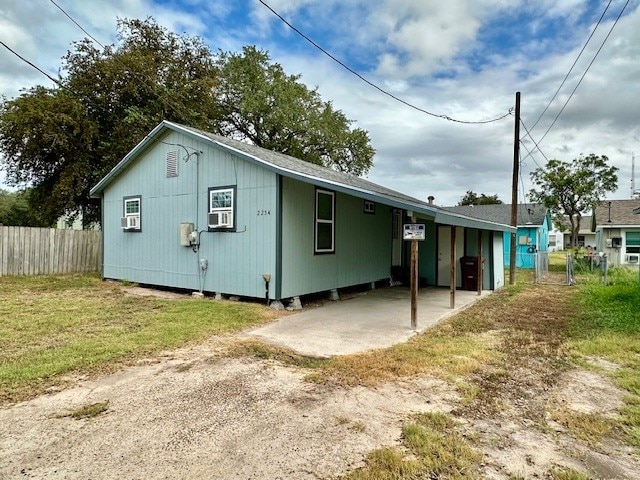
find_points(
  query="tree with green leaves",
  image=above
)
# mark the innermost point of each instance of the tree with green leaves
(573, 188)
(472, 198)
(61, 141)
(262, 104)
(15, 210)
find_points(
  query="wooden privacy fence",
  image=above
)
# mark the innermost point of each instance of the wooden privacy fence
(45, 251)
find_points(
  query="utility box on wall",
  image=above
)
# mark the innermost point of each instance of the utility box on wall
(186, 229)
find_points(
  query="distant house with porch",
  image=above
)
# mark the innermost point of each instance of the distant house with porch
(533, 226)
(617, 231)
(586, 237)
(193, 210)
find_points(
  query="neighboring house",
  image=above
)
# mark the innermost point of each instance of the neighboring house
(556, 238)
(194, 210)
(617, 229)
(71, 221)
(586, 237)
(534, 223)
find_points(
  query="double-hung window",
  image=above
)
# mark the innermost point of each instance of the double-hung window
(325, 222)
(130, 220)
(222, 208)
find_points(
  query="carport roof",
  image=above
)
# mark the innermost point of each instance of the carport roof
(307, 172)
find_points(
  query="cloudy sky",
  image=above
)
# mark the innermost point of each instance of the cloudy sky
(464, 59)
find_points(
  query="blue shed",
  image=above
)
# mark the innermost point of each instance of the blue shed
(534, 224)
(193, 210)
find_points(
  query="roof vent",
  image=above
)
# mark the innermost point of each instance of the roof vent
(172, 164)
(431, 198)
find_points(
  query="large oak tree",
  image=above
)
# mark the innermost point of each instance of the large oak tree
(262, 104)
(62, 140)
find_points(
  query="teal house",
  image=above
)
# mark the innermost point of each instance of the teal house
(534, 224)
(192, 210)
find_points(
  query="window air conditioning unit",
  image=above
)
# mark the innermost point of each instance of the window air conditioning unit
(221, 219)
(130, 222)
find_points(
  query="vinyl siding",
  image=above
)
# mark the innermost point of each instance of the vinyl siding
(236, 260)
(362, 243)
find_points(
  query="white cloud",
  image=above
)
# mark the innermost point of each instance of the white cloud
(402, 41)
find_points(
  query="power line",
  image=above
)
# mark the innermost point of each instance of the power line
(33, 65)
(77, 24)
(537, 144)
(370, 83)
(148, 82)
(570, 69)
(585, 72)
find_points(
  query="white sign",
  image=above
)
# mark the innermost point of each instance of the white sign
(413, 231)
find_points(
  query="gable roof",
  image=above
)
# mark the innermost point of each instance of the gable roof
(529, 214)
(623, 213)
(586, 221)
(307, 172)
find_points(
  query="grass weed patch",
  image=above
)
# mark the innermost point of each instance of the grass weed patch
(431, 448)
(607, 325)
(53, 326)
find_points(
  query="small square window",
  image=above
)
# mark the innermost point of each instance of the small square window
(131, 220)
(222, 208)
(369, 207)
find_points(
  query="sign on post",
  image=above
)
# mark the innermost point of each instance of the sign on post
(413, 231)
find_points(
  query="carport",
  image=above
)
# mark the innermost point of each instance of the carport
(376, 319)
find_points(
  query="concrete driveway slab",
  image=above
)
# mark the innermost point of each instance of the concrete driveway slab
(371, 320)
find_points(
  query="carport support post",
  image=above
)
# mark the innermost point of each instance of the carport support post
(414, 280)
(452, 291)
(480, 262)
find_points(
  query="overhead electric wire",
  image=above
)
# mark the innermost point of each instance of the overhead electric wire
(147, 82)
(77, 24)
(534, 142)
(377, 87)
(33, 65)
(573, 65)
(529, 154)
(585, 72)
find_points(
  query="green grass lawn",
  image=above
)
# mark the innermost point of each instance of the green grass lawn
(607, 325)
(52, 326)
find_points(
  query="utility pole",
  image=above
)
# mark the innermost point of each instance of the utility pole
(514, 194)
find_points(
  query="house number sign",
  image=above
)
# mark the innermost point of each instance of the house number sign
(413, 231)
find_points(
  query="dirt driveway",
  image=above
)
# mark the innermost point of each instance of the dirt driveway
(198, 413)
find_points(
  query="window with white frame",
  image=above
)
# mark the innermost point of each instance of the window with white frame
(130, 220)
(369, 207)
(222, 208)
(325, 211)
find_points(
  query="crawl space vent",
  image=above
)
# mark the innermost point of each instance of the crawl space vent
(172, 164)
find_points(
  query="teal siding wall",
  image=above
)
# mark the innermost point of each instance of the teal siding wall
(236, 260)
(524, 258)
(471, 250)
(427, 253)
(362, 248)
